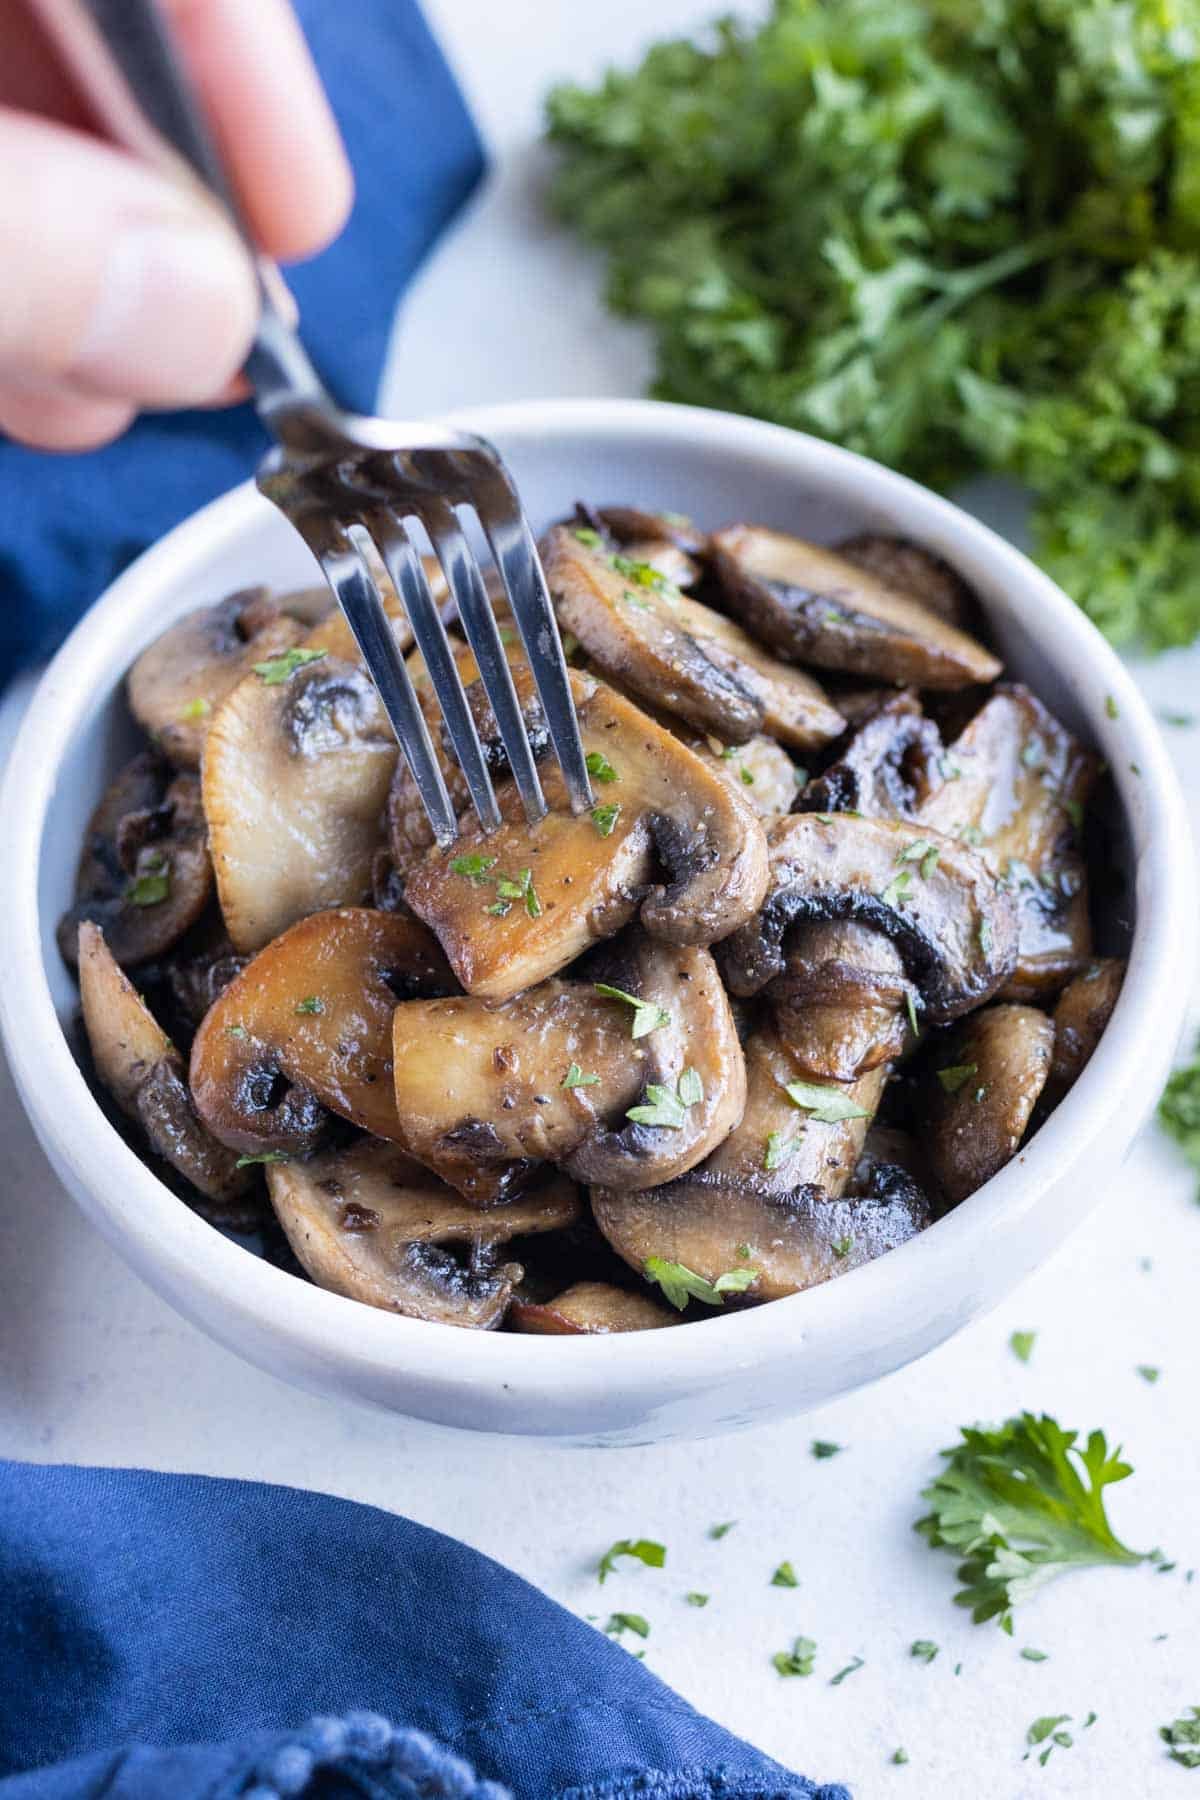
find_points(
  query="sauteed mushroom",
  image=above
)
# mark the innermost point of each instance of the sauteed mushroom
(982, 1092)
(590, 1309)
(1084, 1008)
(886, 768)
(514, 906)
(370, 1223)
(677, 654)
(144, 874)
(635, 525)
(909, 568)
(814, 606)
(307, 1027)
(842, 1003)
(485, 1089)
(953, 925)
(144, 1073)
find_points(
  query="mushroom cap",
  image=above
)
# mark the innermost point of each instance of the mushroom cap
(980, 1097)
(589, 873)
(841, 1004)
(812, 605)
(175, 684)
(909, 568)
(954, 926)
(1080, 1018)
(295, 777)
(887, 766)
(590, 1309)
(1016, 777)
(638, 524)
(306, 1027)
(681, 656)
(144, 874)
(370, 1223)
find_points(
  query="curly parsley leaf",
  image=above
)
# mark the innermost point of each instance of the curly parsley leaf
(799, 1660)
(1182, 1738)
(277, 669)
(826, 1105)
(680, 1284)
(648, 1016)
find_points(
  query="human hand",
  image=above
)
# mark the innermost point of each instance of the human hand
(123, 288)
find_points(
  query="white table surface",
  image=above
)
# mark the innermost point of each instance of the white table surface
(94, 1368)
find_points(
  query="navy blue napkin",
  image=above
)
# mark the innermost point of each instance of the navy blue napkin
(69, 524)
(194, 1639)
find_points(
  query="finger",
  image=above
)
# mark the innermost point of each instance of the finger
(117, 280)
(268, 110)
(49, 415)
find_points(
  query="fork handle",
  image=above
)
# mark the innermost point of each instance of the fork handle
(122, 59)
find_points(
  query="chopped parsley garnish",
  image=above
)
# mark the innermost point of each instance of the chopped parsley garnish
(777, 1150)
(474, 866)
(923, 852)
(822, 1449)
(691, 1088)
(799, 1660)
(599, 766)
(843, 1246)
(262, 1156)
(586, 536)
(619, 1623)
(985, 936)
(1148, 1372)
(898, 890)
(235, 1031)
(311, 1003)
(720, 1531)
(643, 574)
(1179, 1109)
(648, 1016)
(1021, 1344)
(605, 817)
(747, 776)
(911, 1008)
(1074, 812)
(196, 709)
(151, 884)
(1110, 707)
(900, 1757)
(956, 1076)
(785, 1576)
(1182, 721)
(575, 1078)
(1048, 1727)
(1029, 1654)
(1182, 1738)
(970, 834)
(826, 1105)
(1018, 1504)
(667, 1108)
(277, 669)
(680, 1284)
(695, 1599)
(644, 1550)
(851, 1668)
(520, 887)
(924, 1649)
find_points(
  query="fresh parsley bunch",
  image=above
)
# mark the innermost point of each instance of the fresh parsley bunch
(957, 235)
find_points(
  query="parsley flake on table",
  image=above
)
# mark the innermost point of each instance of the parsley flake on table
(1021, 1344)
(719, 1531)
(605, 817)
(1182, 721)
(785, 1576)
(695, 1599)
(1182, 1738)
(827, 1105)
(1148, 1372)
(599, 767)
(1019, 1504)
(900, 1757)
(923, 1649)
(277, 669)
(822, 1449)
(644, 1550)
(648, 1016)
(621, 1622)
(680, 1284)
(799, 1660)
(1031, 1655)
(851, 1668)
(575, 1078)
(1048, 1727)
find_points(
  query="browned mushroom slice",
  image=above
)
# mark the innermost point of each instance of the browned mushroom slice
(634, 525)
(908, 568)
(682, 657)
(887, 767)
(307, 1026)
(590, 1309)
(952, 923)
(296, 771)
(988, 1078)
(515, 905)
(770, 1198)
(1084, 1008)
(842, 1004)
(760, 770)
(145, 874)
(485, 1088)
(813, 605)
(144, 1073)
(1015, 787)
(175, 684)
(370, 1223)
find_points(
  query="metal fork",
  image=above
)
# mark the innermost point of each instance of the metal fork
(344, 480)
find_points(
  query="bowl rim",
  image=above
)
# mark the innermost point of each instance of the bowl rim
(127, 1198)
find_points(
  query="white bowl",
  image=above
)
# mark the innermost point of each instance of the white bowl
(730, 1370)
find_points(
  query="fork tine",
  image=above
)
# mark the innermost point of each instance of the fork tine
(474, 610)
(520, 566)
(404, 567)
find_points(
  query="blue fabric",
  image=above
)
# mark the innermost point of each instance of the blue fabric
(182, 1637)
(69, 524)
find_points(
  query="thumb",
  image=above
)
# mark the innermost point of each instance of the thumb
(120, 284)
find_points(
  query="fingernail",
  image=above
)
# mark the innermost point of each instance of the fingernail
(173, 315)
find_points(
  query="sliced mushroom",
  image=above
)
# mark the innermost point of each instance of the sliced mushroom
(485, 1089)
(842, 1003)
(635, 525)
(1015, 787)
(886, 768)
(987, 1080)
(909, 568)
(370, 1223)
(590, 1309)
(1084, 1008)
(760, 770)
(787, 1222)
(144, 1073)
(681, 656)
(175, 684)
(814, 606)
(307, 1026)
(891, 1159)
(296, 772)
(952, 923)
(145, 874)
(587, 875)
